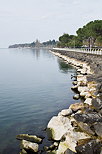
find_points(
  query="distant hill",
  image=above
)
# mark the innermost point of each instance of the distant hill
(50, 43)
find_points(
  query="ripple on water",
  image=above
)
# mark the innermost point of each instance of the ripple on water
(34, 86)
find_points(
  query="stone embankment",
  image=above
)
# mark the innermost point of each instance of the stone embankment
(78, 129)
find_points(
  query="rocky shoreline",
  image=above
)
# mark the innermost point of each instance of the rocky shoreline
(77, 129)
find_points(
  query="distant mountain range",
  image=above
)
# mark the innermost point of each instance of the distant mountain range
(50, 43)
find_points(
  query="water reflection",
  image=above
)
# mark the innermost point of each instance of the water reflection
(64, 67)
(33, 89)
(36, 52)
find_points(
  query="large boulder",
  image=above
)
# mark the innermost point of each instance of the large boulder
(58, 126)
(61, 128)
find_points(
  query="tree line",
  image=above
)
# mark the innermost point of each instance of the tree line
(90, 35)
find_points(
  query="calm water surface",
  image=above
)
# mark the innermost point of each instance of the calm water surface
(34, 86)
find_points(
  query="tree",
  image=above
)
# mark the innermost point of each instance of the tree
(90, 32)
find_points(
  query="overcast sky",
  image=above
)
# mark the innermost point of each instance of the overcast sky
(24, 21)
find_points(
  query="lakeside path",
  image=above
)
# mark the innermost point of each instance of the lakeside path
(78, 129)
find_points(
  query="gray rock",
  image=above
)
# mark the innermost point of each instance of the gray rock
(68, 151)
(91, 147)
(86, 128)
(97, 103)
(98, 128)
(31, 138)
(88, 118)
(100, 111)
(29, 146)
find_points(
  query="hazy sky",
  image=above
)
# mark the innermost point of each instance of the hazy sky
(23, 21)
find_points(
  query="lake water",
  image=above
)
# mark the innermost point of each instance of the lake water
(34, 86)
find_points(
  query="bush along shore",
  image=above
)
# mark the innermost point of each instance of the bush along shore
(77, 129)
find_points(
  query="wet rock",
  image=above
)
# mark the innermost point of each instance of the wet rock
(77, 96)
(52, 152)
(74, 82)
(56, 144)
(46, 148)
(88, 118)
(29, 146)
(31, 138)
(51, 148)
(74, 87)
(65, 112)
(23, 152)
(92, 147)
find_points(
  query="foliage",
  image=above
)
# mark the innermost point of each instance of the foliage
(88, 35)
(47, 43)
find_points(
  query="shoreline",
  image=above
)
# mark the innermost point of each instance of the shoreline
(81, 124)
(77, 129)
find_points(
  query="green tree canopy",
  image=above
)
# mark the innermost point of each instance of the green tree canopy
(90, 35)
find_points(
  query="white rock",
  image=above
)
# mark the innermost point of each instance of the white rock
(72, 138)
(83, 89)
(59, 125)
(85, 94)
(65, 112)
(74, 87)
(81, 78)
(88, 101)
